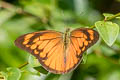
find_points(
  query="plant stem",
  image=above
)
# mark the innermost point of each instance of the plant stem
(109, 18)
(112, 17)
(92, 26)
(23, 65)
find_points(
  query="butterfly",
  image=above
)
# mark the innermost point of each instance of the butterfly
(58, 52)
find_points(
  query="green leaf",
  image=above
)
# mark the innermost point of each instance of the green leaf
(118, 17)
(41, 69)
(107, 15)
(108, 31)
(107, 51)
(13, 74)
(29, 73)
(53, 77)
(5, 15)
(33, 61)
(66, 76)
(3, 76)
(37, 9)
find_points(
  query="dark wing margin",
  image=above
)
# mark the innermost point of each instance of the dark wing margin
(25, 41)
(80, 40)
(42, 45)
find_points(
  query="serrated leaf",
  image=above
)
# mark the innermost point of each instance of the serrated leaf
(33, 61)
(13, 74)
(108, 31)
(106, 15)
(41, 69)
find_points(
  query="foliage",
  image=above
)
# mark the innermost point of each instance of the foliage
(17, 17)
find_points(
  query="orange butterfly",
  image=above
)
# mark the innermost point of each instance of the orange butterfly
(58, 52)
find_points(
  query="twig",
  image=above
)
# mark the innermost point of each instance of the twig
(11, 7)
(109, 18)
(112, 17)
(23, 65)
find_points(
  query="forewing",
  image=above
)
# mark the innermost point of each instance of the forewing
(80, 41)
(47, 46)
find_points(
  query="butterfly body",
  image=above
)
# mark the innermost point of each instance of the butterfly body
(58, 53)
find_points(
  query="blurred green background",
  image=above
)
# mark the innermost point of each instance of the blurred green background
(18, 17)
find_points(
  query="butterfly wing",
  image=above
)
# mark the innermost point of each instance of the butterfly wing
(80, 40)
(47, 46)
